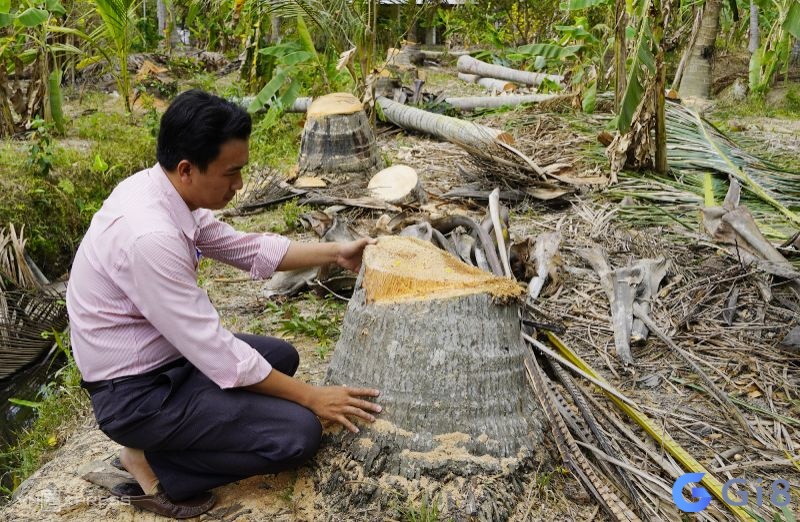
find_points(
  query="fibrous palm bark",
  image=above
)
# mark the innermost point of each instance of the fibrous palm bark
(337, 139)
(442, 342)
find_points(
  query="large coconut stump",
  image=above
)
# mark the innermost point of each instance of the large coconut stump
(337, 140)
(460, 426)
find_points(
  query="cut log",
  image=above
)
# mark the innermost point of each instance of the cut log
(490, 84)
(442, 342)
(470, 65)
(405, 58)
(471, 103)
(338, 140)
(398, 184)
(308, 182)
(300, 104)
(474, 137)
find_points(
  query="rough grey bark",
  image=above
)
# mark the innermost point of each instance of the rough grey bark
(459, 416)
(696, 81)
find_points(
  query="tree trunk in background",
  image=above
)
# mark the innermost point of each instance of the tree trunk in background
(696, 81)
(161, 14)
(658, 15)
(620, 54)
(755, 32)
(275, 29)
(442, 342)
(795, 56)
(468, 64)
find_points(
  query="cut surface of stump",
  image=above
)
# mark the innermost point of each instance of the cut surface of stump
(338, 141)
(396, 184)
(441, 340)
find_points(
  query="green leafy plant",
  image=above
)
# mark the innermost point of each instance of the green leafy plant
(426, 511)
(41, 152)
(290, 213)
(773, 55)
(26, 41)
(320, 322)
(119, 22)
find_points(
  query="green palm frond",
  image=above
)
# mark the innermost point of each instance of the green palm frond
(667, 200)
(339, 20)
(117, 17)
(695, 145)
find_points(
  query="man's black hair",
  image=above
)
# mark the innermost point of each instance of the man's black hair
(196, 125)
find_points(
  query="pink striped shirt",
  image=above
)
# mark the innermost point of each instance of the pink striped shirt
(133, 299)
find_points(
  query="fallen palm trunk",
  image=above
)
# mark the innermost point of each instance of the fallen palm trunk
(491, 84)
(428, 330)
(475, 138)
(471, 103)
(470, 65)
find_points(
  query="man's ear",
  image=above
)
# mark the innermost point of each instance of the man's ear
(184, 170)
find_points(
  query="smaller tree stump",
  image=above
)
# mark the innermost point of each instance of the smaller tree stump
(337, 140)
(398, 184)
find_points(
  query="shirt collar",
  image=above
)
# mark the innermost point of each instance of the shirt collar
(174, 202)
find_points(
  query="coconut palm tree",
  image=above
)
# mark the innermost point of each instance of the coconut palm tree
(696, 81)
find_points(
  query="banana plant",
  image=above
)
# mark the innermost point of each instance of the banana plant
(775, 49)
(27, 41)
(581, 49)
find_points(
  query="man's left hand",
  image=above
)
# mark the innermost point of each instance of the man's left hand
(350, 253)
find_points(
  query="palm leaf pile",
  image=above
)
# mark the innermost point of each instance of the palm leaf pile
(27, 307)
(696, 148)
(626, 432)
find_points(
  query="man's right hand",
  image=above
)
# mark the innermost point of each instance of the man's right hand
(337, 403)
(332, 403)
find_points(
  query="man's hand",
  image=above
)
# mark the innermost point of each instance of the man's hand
(336, 403)
(332, 403)
(350, 253)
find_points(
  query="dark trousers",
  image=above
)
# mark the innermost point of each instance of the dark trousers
(197, 436)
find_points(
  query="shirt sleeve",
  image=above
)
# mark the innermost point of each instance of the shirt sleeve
(164, 289)
(260, 254)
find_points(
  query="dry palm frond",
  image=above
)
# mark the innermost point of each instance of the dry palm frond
(261, 190)
(26, 309)
(14, 267)
(24, 316)
(573, 458)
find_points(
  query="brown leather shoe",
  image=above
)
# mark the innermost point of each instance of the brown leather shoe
(161, 504)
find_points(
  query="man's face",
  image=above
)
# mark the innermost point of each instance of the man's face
(214, 188)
